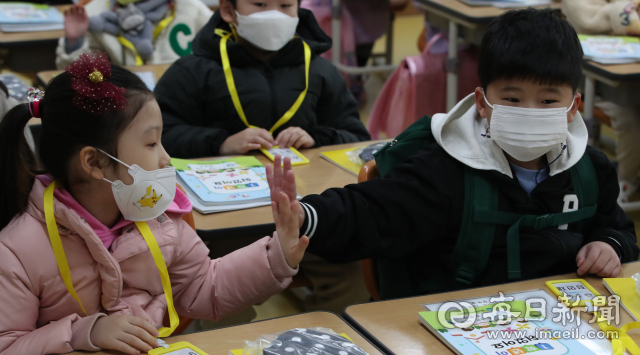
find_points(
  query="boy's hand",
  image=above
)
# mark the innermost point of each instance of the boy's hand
(76, 23)
(246, 140)
(598, 258)
(295, 137)
(128, 334)
(285, 214)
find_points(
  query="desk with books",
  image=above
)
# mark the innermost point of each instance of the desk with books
(31, 51)
(460, 20)
(313, 178)
(221, 341)
(394, 327)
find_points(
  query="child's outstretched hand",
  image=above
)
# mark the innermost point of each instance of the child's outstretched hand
(76, 23)
(285, 214)
(598, 258)
(281, 180)
(128, 334)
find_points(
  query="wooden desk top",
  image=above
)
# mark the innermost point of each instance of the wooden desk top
(313, 178)
(9, 39)
(468, 13)
(220, 341)
(614, 72)
(158, 69)
(395, 323)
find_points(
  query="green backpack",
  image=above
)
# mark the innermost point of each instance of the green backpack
(479, 220)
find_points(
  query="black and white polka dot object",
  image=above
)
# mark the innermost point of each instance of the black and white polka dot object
(302, 341)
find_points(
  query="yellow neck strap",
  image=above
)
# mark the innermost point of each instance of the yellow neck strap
(65, 272)
(226, 67)
(619, 337)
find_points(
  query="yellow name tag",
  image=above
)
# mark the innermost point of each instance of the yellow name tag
(179, 348)
(293, 153)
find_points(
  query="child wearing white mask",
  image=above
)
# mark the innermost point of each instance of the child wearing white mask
(94, 250)
(501, 188)
(276, 90)
(256, 79)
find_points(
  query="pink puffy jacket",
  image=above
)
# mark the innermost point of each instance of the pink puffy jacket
(39, 316)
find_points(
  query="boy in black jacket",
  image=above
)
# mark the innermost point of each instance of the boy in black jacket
(204, 115)
(522, 133)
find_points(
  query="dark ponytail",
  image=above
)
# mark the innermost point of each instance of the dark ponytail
(66, 129)
(18, 164)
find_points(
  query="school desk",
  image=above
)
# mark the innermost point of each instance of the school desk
(31, 51)
(618, 83)
(313, 178)
(158, 69)
(220, 341)
(461, 20)
(394, 326)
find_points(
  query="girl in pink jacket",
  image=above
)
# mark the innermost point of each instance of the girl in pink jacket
(101, 167)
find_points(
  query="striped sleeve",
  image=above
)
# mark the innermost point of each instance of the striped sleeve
(310, 221)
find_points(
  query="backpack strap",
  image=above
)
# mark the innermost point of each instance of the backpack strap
(585, 185)
(473, 248)
(481, 215)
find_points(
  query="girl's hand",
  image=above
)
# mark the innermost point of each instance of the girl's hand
(128, 334)
(283, 181)
(598, 258)
(76, 23)
(285, 214)
(295, 137)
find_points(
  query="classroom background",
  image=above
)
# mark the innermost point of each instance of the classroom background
(30, 57)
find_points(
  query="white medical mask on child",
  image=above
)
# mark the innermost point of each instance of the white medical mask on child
(150, 194)
(269, 30)
(528, 133)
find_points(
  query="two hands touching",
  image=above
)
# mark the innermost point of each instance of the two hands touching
(598, 258)
(287, 213)
(256, 138)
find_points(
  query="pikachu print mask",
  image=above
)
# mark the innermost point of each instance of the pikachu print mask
(150, 194)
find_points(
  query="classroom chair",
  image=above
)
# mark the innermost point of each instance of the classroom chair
(370, 171)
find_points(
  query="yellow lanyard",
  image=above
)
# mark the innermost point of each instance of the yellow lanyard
(226, 67)
(620, 340)
(161, 26)
(65, 272)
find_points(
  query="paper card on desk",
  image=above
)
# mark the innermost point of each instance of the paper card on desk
(179, 348)
(148, 78)
(558, 320)
(625, 287)
(296, 157)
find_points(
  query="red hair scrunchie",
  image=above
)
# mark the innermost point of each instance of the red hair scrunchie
(93, 92)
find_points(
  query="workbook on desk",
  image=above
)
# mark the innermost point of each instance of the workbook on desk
(625, 288)
(224, 182)
(543, 322)
(223, 185)
(610, 50)
(27, 17)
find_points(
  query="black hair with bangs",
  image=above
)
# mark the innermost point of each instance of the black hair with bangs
(531, 44)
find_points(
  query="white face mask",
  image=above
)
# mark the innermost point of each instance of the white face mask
(528, 133)
(268, 30)
(150, 194)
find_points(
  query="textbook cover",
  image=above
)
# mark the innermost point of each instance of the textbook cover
(224, 182)
(625, 287)
(610, 50)
(26, 17)
(506, 328)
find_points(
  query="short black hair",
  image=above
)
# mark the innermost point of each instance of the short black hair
(233, 2)
(531, 44)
